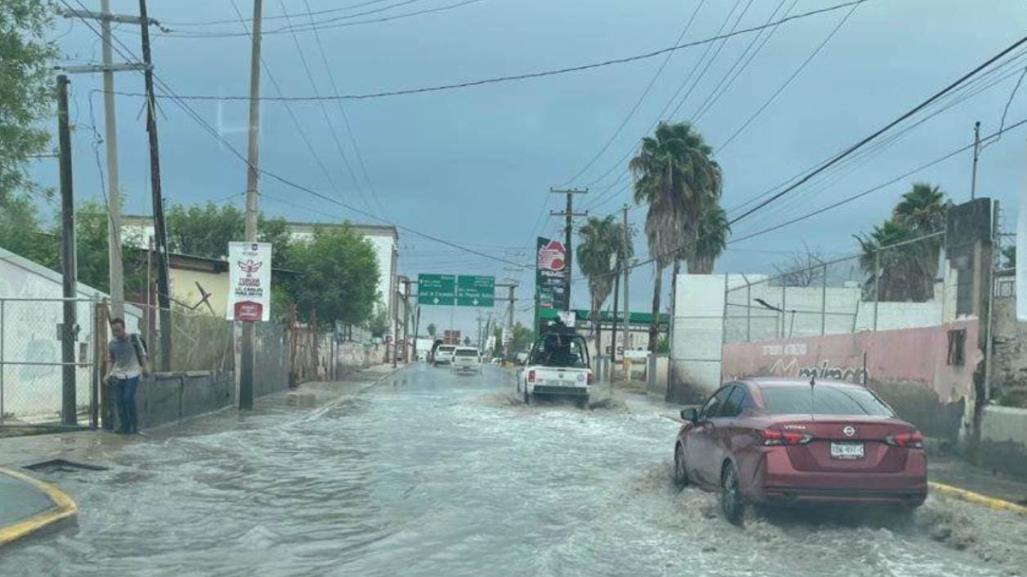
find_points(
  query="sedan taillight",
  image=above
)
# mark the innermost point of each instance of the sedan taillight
(774, 437)
(913, 440)
(531, 376)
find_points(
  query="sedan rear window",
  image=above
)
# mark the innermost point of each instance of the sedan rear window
(822, 400)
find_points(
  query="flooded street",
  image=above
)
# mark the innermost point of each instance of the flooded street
(431, 474)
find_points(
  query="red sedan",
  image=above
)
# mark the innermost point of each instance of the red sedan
(778, 441)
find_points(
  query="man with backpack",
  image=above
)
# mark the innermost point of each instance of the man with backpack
(128, 360)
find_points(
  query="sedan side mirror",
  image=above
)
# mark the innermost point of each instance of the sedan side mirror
(690, 415)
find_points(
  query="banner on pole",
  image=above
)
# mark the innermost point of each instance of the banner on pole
(249, 281)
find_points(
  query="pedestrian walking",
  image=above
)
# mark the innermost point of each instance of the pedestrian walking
(128, 358)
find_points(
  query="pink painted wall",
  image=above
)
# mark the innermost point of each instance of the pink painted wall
(907, 367)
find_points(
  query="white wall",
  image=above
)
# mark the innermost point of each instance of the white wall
(29, 334)
(698, 331)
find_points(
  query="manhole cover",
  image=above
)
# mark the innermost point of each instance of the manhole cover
(63, 466)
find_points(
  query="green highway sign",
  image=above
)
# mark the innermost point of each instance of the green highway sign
(436, 289)
(476, 291)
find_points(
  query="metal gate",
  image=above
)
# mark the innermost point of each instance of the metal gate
(34, 384)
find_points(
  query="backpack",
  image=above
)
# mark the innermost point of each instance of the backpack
(140, 347)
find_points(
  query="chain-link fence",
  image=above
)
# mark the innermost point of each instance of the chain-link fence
(33, 379)
(200, 340)
(900, 285)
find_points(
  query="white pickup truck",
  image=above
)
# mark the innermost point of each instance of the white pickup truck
(466, 359)
(558, 366)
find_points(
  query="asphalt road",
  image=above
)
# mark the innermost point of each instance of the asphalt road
(432, 474)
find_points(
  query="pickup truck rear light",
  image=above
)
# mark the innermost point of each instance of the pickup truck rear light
(531, 376)
(913, 440)
(774, 437)
(591, 378)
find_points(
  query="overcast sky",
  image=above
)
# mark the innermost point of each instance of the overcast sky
(474, 165)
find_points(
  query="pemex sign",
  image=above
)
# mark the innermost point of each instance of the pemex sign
(550, 275)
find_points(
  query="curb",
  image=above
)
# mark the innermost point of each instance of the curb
(64, 508)
(976, 498)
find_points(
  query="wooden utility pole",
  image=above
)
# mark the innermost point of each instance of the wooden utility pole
(108, 68)
(116, 265)
(252, 209)
(568, 230)
(68, 265)
(160, 232)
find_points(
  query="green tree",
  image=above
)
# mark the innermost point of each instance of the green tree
(711, 242)
(22, 233)
(522, 338)
(675, 174)
(602, 244)
(1008, 256)
(378, 324)
(26, 90)
(337, 276)
(431, 330)
(91, 242)
(206, 230)
(907, 272)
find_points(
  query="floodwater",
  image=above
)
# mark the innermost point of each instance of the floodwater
(431, 474)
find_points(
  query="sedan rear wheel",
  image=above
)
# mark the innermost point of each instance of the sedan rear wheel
(680, 472)
(731, 500)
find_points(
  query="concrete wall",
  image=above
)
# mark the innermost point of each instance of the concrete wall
(1009, 338)
(908, 368)
(697, 337)
(168, 398)
(1004, 439)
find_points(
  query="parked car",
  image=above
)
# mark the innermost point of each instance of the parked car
(467, 359)
(443, 355)
(558, 366)
(777, 441)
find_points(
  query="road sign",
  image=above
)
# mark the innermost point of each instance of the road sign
(476, 291)
(436, 289)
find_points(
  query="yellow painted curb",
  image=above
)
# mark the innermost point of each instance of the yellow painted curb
(64, 508)
(976, 498)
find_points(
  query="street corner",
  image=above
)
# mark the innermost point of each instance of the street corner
(29, 506)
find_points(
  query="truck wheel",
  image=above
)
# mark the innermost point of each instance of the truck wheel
(680, 472)
(583, 403)
(527, 397)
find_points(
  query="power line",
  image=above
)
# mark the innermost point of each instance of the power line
(735, 71)
(528, 75)
(324, 113)
(964, 93)
(872, 189)
(787, 81)
(879, 132)
(308, 13)
(164, 87)
(345, 116)
(638, 102)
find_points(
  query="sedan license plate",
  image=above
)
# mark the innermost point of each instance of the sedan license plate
(846, 450)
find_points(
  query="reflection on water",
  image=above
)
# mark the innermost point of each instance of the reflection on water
(433, 475)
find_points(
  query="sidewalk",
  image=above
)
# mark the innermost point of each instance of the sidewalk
(28, 506)
(955, 472)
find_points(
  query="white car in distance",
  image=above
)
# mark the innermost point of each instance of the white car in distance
(466, 359)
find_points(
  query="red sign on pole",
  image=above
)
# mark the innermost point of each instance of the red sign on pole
(248, 311)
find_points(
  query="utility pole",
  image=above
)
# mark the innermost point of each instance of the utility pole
(68, 268)
(108, 68)
(510, 321)
(627, 271)
(613, 330)
(977, 150)
(252, 181)
(568, 229)
(406, 320)
(116, 265)
(160, 232)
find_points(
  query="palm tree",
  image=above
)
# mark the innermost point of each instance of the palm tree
(675, 175)
(711, 242)
(923, 210)
(900, 269)
(602, 240)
